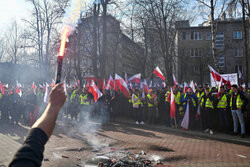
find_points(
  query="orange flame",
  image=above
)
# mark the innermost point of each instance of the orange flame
(65, 35)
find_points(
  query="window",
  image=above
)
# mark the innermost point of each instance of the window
(196, 69)
(195, 52)
(184, 52)
(208, 36)
(196, 36)
(238, 52)
(221, 60)
(184, 36)
(237, 35)
(219, 40)
(238, 68)
(209, 52)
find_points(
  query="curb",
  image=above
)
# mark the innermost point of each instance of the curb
(194, 134)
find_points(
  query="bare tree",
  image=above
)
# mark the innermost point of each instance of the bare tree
(13, 42)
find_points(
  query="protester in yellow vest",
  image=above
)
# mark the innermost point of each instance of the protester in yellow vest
(136, 101)
(237, 103)
(207, 109)
(152, 102)
(222, 106)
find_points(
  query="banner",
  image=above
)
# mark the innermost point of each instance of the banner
(233, 78)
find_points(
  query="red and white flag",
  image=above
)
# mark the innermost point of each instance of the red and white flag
(111, 83)
(185, 87)
(175, 81)
(145, 86)
(34, 88)
(172, 105)
(126, 78)
(158, 73)
(2, 88)
(135, 78)
(215, 75)
(185, 121)
(18, 89)
(94, 91)
(192, 86)
(119, 82)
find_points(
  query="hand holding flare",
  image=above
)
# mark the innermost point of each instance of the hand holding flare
(65, 35)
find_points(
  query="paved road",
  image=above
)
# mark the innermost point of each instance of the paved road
(81, 143)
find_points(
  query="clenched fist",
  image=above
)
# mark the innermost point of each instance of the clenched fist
(57, 96)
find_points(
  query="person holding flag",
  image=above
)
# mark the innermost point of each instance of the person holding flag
(190, 98)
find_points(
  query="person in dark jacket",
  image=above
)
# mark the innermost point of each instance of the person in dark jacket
(238, 104)
(31, 152)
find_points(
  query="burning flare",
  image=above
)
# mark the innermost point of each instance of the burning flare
(65, 35)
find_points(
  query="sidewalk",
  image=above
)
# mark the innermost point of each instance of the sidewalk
(194, 134)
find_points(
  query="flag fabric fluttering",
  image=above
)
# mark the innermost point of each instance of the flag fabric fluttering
(135, 78)
(2, 88)
(185, 120)
(111, 84)
(18, 89)
(94, 91)
(121, 84)
(53, 83)
(34, 88)
(217, 77)
(185, 87)
(240, 77)
(46, 95)
(192, 86)
(158, 73)
(172, 105)
(175, 81)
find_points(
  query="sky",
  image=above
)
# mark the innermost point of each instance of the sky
(11, 10)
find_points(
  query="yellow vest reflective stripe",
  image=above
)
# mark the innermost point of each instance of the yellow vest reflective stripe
(130, 100)
(1, 95)
(239, 102)
(194, 103)
(177, 98)
(84, 99)
(223, 102)
(73, 95)
(138, 102)
(199, 95)
(149, 104)
(166, 95)
(209, 104)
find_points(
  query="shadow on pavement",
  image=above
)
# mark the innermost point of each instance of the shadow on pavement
(15, 132)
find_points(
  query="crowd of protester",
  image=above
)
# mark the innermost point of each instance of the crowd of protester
(210, 109)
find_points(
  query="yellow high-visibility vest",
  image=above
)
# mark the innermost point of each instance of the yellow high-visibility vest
(223, 102)
(149, 104)
(239, 102)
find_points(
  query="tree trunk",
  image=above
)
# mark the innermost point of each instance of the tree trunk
(104, 42)
(245, 38)
(213, 35)
(94, 49)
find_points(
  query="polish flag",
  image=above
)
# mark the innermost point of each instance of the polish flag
(185, 121)
(18, 90)
(173, 106)
(215, 75)
(34, 88)
(158, 73)
(185, 87)
(192, 85)
(2, 88)
(110, 84)
(94, 91)
(119, 82)
(135, 78)
(163, 84)
(145, 86)
(175, 81)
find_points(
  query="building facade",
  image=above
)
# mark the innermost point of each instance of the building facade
(194, 49)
